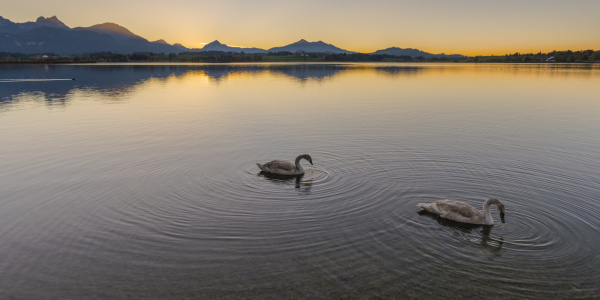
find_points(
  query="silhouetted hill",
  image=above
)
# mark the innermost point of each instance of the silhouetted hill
(395, 51)
(217, 46)
(51, 22)
(112, 29)
(8, 27)
(314, 47)
(50, 35)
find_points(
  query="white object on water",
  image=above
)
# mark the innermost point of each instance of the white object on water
(461, 212)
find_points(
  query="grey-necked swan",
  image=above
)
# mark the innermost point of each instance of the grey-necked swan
(281, 167)
(461, 212)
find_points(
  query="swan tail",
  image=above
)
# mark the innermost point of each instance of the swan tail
(262, 167)
(428, 207)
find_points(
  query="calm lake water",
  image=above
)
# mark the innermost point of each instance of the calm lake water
(139, 181)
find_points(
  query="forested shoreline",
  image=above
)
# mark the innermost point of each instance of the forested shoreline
(583, 56)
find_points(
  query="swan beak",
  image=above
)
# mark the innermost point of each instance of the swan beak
(310, 161)
(502, 217)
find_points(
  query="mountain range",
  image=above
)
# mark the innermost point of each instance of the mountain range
(50, 35)
(217, 46)
(395, 51)
(305, 46)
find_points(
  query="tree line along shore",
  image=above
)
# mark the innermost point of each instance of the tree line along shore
(584, 56)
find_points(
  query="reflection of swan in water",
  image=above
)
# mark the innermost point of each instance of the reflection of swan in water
(486, 240)
(301, 185)
(280, 167)
(464, 213)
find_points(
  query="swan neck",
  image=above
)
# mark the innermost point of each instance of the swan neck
(486, 211)
(297, 162)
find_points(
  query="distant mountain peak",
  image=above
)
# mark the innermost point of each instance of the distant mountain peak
(44, 20)
(306, 46)
(112, 28)
(52, 22)
(4, 21)
(51, 35)
(396, 51)
(215, 43)
(218, 46)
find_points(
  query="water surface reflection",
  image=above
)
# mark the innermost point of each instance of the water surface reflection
(471, 232)
(139, 181)
(118, 78)
(54, 82)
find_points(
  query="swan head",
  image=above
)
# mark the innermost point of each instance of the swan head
(307, 157)
(500, 207)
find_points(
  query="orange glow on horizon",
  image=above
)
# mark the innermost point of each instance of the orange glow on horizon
(452, 27)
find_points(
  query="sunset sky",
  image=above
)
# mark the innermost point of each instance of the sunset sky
(470, 27)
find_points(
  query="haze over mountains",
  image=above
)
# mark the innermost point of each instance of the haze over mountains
(217, 46)
(303, 45)
(50, 35)
(395, 51)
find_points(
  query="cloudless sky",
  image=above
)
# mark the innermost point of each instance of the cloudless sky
(470, 27)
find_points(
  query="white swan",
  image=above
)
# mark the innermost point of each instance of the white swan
(464, 213)
(285, 168)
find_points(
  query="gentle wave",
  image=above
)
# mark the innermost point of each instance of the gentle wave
(159, 191)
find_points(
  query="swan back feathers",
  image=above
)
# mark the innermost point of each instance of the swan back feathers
(464, 213)
(281, 167)
(278, 165)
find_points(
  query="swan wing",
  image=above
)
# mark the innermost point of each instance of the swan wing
(278, 166)
(458, 211)
(455, 211)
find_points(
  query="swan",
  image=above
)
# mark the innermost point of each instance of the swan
(281, 167)
(461, 212)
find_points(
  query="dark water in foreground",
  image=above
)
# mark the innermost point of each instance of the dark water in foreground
(140, 181)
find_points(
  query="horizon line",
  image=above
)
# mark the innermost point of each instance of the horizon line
(467, 52)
